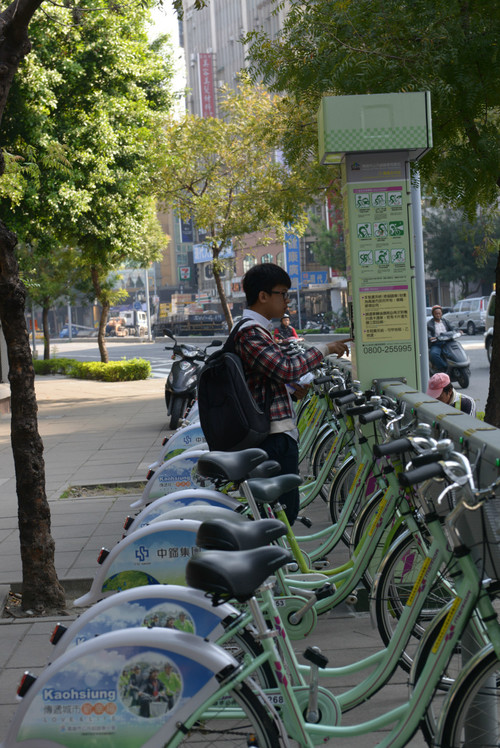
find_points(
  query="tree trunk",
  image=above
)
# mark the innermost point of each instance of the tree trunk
(105, 306)
(46, 333)
(41, 590)
(492, 412)
(222, 296)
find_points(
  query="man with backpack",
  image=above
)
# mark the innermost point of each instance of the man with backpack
(269, 370)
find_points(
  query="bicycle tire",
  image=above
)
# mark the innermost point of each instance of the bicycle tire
(319, 452)
(244, 647)
(473, 711)
(339, 490)
(395, 581)
(364, 520)
(256, 727)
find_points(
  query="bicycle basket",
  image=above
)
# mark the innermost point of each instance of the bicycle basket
(480, 531)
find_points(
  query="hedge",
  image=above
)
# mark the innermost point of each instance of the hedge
(113, 371)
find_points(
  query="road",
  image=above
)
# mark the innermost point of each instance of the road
(160, 359)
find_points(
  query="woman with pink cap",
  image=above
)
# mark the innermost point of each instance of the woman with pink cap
(442, 389)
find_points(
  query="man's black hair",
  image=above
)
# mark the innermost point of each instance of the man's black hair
(263, 277)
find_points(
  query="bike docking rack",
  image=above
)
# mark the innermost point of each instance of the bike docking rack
(478, 440)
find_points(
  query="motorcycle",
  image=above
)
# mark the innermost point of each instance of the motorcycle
(318, 324)
(181, 383)
(457, 361)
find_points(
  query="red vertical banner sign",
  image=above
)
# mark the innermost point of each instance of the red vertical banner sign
(207, 88)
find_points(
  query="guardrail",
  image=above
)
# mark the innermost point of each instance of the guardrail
(476, 439)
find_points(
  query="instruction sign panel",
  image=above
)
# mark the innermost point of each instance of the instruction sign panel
(380, 267)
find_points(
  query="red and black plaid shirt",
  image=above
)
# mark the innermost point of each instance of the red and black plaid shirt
(266, 366)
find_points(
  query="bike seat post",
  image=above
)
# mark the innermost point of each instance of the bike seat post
(248, 495)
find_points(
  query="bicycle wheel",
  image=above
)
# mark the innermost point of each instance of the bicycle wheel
(254, 727)
(320, 453)
(473, 715)
(364, 520)
(395, 582)
(464, 650)
(339, 491)
(245, 648)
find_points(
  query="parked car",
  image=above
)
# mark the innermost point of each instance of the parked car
(490, 316)
(469, 315)
(65, 332)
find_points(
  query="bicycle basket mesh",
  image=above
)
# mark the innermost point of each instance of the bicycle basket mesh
(480, 531)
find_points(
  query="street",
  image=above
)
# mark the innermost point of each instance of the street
(160, 359)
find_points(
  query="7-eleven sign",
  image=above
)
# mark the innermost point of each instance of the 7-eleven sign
(184, 273)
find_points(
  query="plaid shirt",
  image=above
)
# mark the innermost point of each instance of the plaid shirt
(265, 365)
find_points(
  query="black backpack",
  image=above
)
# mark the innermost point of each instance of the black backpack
(229, 416)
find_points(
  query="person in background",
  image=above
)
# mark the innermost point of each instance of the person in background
(285, 332)
(435, 327)
(269, 370)
(441, 388)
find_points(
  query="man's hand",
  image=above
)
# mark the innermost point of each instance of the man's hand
(339, 347)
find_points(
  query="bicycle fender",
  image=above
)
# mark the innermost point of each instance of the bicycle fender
(91, 684)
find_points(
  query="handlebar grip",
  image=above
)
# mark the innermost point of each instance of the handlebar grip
(340, 392)
(395, 447)
(345, 400)
(322, 380)
(375, 415)
(420, 474)
(358, 410)
(426, 458)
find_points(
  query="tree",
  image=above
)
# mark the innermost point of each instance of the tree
(447, 47)
(41, 588)
(328, 249)
(225, 175)
(109, 89)
(50, 275)
(461, 251)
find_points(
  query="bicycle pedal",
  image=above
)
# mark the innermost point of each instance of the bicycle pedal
(321, 563)
(305, 521)
(351, 599)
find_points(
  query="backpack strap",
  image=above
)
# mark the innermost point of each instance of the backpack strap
(229, 348)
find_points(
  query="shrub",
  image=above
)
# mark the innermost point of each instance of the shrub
(113, 371)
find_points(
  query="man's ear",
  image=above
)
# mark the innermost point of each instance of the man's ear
(263, 297)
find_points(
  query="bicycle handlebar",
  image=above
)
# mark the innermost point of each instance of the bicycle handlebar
(395, 447)
(426, 458)
(375, 415)
(358, 410)
(411, 477)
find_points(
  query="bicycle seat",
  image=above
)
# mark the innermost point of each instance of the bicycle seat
(234, 575)
(268, 491)
(224, 535)
(231, 466)
(267, 469)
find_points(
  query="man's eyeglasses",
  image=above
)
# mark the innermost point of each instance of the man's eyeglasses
(285, 294)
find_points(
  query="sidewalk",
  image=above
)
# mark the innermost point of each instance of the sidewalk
(97, 433)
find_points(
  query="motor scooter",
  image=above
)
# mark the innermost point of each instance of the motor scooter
(457, 361)
(181, 383)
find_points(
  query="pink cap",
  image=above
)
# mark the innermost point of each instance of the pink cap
(437, 383)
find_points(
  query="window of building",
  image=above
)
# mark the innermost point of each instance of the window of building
(248, 262)
(280, 259)
(267, 258)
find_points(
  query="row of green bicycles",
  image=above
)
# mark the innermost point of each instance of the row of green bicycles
(210, 658)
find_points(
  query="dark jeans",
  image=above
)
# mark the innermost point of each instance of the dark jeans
(435, 355)
(285, 450)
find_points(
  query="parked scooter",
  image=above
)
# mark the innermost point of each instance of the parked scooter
(180, 387)
(458, 363)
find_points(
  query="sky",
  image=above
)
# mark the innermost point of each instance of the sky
(165, 21)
